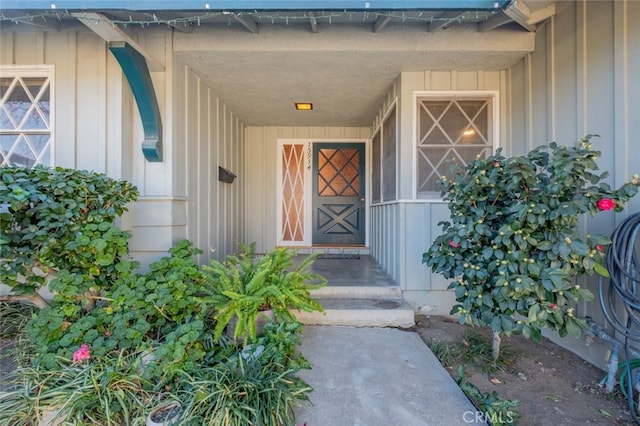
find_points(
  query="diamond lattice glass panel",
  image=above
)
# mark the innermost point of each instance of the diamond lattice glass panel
(18, 105)
(5, 82)
(426, 122)
(293, 192)
(7, 141)
(436, 137)
(22, 154)
(338, 172)
(25, 117)
(454, 123)
(451, 132)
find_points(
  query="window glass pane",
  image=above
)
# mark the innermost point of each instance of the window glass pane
(451, 133)
(375, 169)
(389, 157)
(25, 119)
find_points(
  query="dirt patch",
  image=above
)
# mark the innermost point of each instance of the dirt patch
(554, 386)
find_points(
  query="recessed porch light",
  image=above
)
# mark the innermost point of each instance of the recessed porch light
(304, 106)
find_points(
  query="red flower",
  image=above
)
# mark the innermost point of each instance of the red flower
(453, 244)
(81, 354)
(606, 204)
(553, 306)
(600, 247)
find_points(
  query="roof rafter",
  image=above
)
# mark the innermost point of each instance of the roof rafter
(444, 20)
(247, 22)
(494, 22)
(519, 12)
(313, 22)
(102, 25)
(381, 22)
(183, 28)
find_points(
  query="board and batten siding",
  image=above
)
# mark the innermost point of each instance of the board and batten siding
(260, 183)
(401, 231)
(582, 79)
(208, 136)
(97, 127)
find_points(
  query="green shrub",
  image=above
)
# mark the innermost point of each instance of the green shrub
(512, 246)
(246, 284)
(61, 220)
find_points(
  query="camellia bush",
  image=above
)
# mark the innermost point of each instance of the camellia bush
(512, 246)
(60, 220)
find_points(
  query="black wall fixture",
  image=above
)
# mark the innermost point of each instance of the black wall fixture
(225, 175)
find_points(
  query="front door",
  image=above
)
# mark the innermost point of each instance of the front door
(338, 194)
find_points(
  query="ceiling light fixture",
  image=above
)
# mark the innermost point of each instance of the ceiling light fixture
(304, 106)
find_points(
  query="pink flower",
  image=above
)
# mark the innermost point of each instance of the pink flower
(81, 354)
(553, 306)
(600, 247)
(496, 164)
(107, 333)
(606, 204)
(453, 244)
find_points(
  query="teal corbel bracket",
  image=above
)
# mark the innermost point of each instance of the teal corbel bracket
(135, 69)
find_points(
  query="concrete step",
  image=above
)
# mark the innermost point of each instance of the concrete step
(360, 312)
(357, 292)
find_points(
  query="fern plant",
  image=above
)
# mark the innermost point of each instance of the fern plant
(245, 285)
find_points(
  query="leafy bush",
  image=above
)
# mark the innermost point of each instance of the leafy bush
(512, 244)
(113, 343)
(60, 219)
(245, 284)
(162, 310)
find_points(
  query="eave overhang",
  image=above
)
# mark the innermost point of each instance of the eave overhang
(257, 4)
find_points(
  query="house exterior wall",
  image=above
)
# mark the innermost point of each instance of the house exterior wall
(260, 184)
(581, 80)
(97, 127)
(402, 230)
(207, 136)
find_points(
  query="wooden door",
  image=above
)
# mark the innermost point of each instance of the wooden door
(338, 193)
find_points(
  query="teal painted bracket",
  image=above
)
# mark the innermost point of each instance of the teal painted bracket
(135, 69)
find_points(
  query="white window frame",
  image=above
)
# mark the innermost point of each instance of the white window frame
(45, 71)
(494, 95)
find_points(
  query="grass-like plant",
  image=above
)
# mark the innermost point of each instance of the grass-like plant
(256, 386)
(494, 410)
(102, 390)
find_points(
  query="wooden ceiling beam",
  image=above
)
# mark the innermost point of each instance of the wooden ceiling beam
(247, 22)
(444, 20)
(381, 22)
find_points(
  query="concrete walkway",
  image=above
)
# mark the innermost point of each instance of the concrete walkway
(378, 377)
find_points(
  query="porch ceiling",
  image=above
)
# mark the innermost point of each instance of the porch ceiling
(344, 62)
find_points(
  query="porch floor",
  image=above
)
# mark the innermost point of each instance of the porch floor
(364, 271)
(358, 293)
